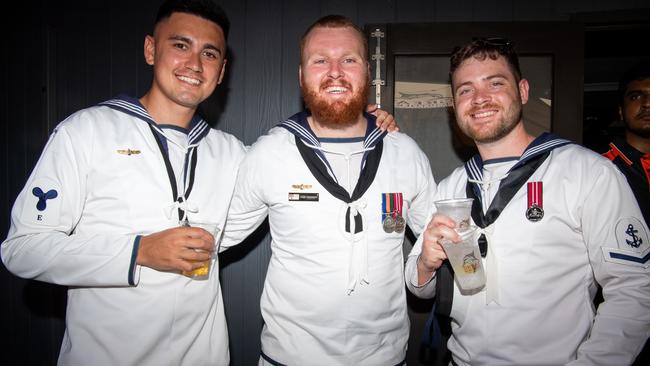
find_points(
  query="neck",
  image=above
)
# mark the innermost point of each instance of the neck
(165, 111)
(640, 143)
(355, 129)
(512, 144)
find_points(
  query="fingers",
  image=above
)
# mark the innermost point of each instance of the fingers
(385, 121)
(176, 249)
(197, 238)
(371, 108)
(439, 230)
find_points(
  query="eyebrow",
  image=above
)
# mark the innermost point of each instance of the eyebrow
(489, 77)
(176, 37)
(637, 91)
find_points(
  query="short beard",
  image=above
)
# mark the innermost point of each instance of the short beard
(337, 115)
(509, 122)
(643, 131)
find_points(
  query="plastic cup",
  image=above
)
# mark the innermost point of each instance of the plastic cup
(203, 272)
(465, 259)
(458, 209)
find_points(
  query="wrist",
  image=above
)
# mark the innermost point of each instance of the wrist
(422, 267)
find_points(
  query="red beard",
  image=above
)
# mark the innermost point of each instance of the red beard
(337, 114)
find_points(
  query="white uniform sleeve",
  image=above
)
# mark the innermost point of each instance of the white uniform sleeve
(247, 208)
(419, 216)
(609, 217)
(42, 243)
(422, 203)
(426, 290)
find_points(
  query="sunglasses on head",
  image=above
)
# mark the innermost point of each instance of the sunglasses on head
(494, 41)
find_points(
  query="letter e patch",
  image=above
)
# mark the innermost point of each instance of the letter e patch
(42, 202)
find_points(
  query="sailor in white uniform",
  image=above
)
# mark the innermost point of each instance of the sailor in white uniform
(556, 220)
(101, 211)
(338, 193)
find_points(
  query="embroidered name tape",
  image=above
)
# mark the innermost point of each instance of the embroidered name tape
(296, 196)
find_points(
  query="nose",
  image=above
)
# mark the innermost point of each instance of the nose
(335, 70)
(194, 62)
(481, 96)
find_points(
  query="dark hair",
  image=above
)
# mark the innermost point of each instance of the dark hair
(638, 71)
(334, 21)
(206, 9)
(482, 48)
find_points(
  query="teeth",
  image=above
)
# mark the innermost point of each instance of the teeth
(336, 89)
(189, 80)
(484, 114)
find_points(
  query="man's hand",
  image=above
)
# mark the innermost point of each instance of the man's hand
(385, 120)
(439, 228)
(176, 249)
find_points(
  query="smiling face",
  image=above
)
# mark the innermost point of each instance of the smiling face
(334, 76)
(487, 99)
(636, 108)
(187, 53)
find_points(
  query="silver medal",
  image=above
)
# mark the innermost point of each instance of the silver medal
(389, 224)
(400, 224)
(534, 213)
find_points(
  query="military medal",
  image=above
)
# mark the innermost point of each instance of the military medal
(392, 220)
(535, 211)
(389, 224)
(400, 224)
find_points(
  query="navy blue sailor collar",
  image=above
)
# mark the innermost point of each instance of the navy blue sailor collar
(540, 145)
(299, 127)
(197, 129)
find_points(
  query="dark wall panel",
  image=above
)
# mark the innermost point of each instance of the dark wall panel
(63, 56)
(488, 11)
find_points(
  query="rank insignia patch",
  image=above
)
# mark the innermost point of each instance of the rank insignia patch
(42, 202)
(41, 205)
(633, 246)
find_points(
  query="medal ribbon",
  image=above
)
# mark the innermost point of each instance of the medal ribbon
(535, 194)
(386, 205)
(399, 202)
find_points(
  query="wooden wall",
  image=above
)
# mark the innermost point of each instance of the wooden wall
(67, 55)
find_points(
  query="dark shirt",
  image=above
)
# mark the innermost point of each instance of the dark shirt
(636, 167)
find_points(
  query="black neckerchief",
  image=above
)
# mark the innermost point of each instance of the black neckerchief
(321, 169)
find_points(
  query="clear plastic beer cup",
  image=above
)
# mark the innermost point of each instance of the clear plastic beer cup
(203, 272)
(458, 209)
(465, 259)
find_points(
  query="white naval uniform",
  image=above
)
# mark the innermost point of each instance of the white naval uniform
(322, 305)
(547, 271)
(111, 187)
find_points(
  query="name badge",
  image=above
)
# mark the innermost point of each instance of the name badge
(311, 197)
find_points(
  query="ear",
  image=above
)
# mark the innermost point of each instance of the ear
(149, 50)
(223, 71)
(300, 74)
(620, 113)
(523, 90)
